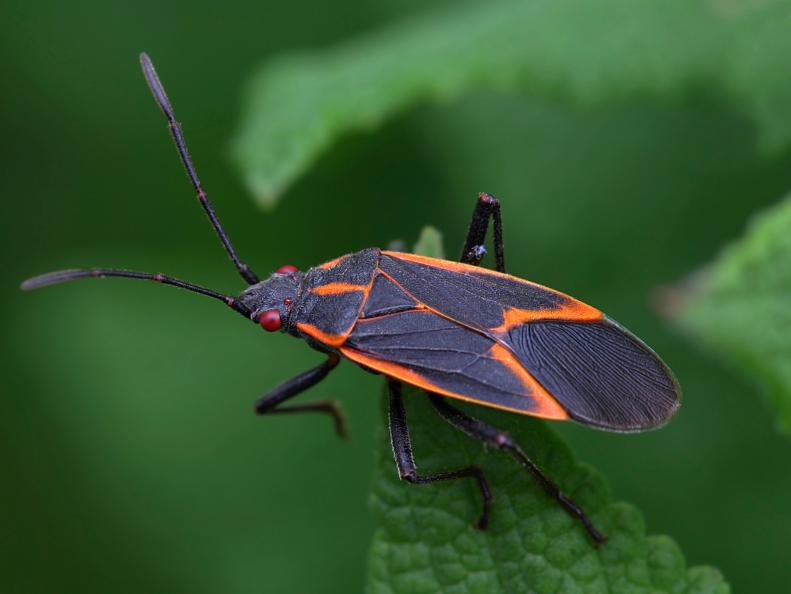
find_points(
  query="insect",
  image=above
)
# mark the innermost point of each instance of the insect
(454, 329)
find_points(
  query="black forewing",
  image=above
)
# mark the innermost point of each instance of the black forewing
(451, 358)
(599, 372)
(473, 296)
(385, 298)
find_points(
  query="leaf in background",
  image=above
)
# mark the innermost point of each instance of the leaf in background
(425, 541)
(299, 104)
(741, 306)
(429, 243)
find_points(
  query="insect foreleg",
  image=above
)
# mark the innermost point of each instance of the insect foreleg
(407, 470)
(270, 403)
(473, 251)
(496, 438)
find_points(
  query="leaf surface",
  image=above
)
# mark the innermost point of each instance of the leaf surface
(740, 306)
(588, 52)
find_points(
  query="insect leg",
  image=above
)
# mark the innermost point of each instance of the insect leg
(270, 403)
(407, 470)
(473, 251)
(496, 438)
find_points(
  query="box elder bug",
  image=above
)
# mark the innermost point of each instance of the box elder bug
(452, 329)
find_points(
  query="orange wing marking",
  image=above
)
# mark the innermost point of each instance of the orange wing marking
(573, 311)
(546, 405)
(548, 408)
(444, 264)
(457, 267)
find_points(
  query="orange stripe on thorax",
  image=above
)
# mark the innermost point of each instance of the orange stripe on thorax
(338, 288)
(332, 340)
(332, 263)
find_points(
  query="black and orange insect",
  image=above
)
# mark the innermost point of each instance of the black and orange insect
(453, 329)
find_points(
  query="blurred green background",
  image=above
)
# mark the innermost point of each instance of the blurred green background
(131, 458)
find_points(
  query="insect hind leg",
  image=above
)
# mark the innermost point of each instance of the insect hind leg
(407, 470)
(486, 207)
(496, 438)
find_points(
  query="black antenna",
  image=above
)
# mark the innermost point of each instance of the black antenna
(52, 278)
(181, 145)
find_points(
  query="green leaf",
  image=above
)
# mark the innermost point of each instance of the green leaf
(426, 542)
(740, 307)
(300, 103)
(429, 243)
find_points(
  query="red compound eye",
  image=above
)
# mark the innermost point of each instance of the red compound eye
(270, 320)
(287, 269)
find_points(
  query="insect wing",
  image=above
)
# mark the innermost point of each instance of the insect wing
(601, 374)
(598, 371)
(479, 298)
(439, 355)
